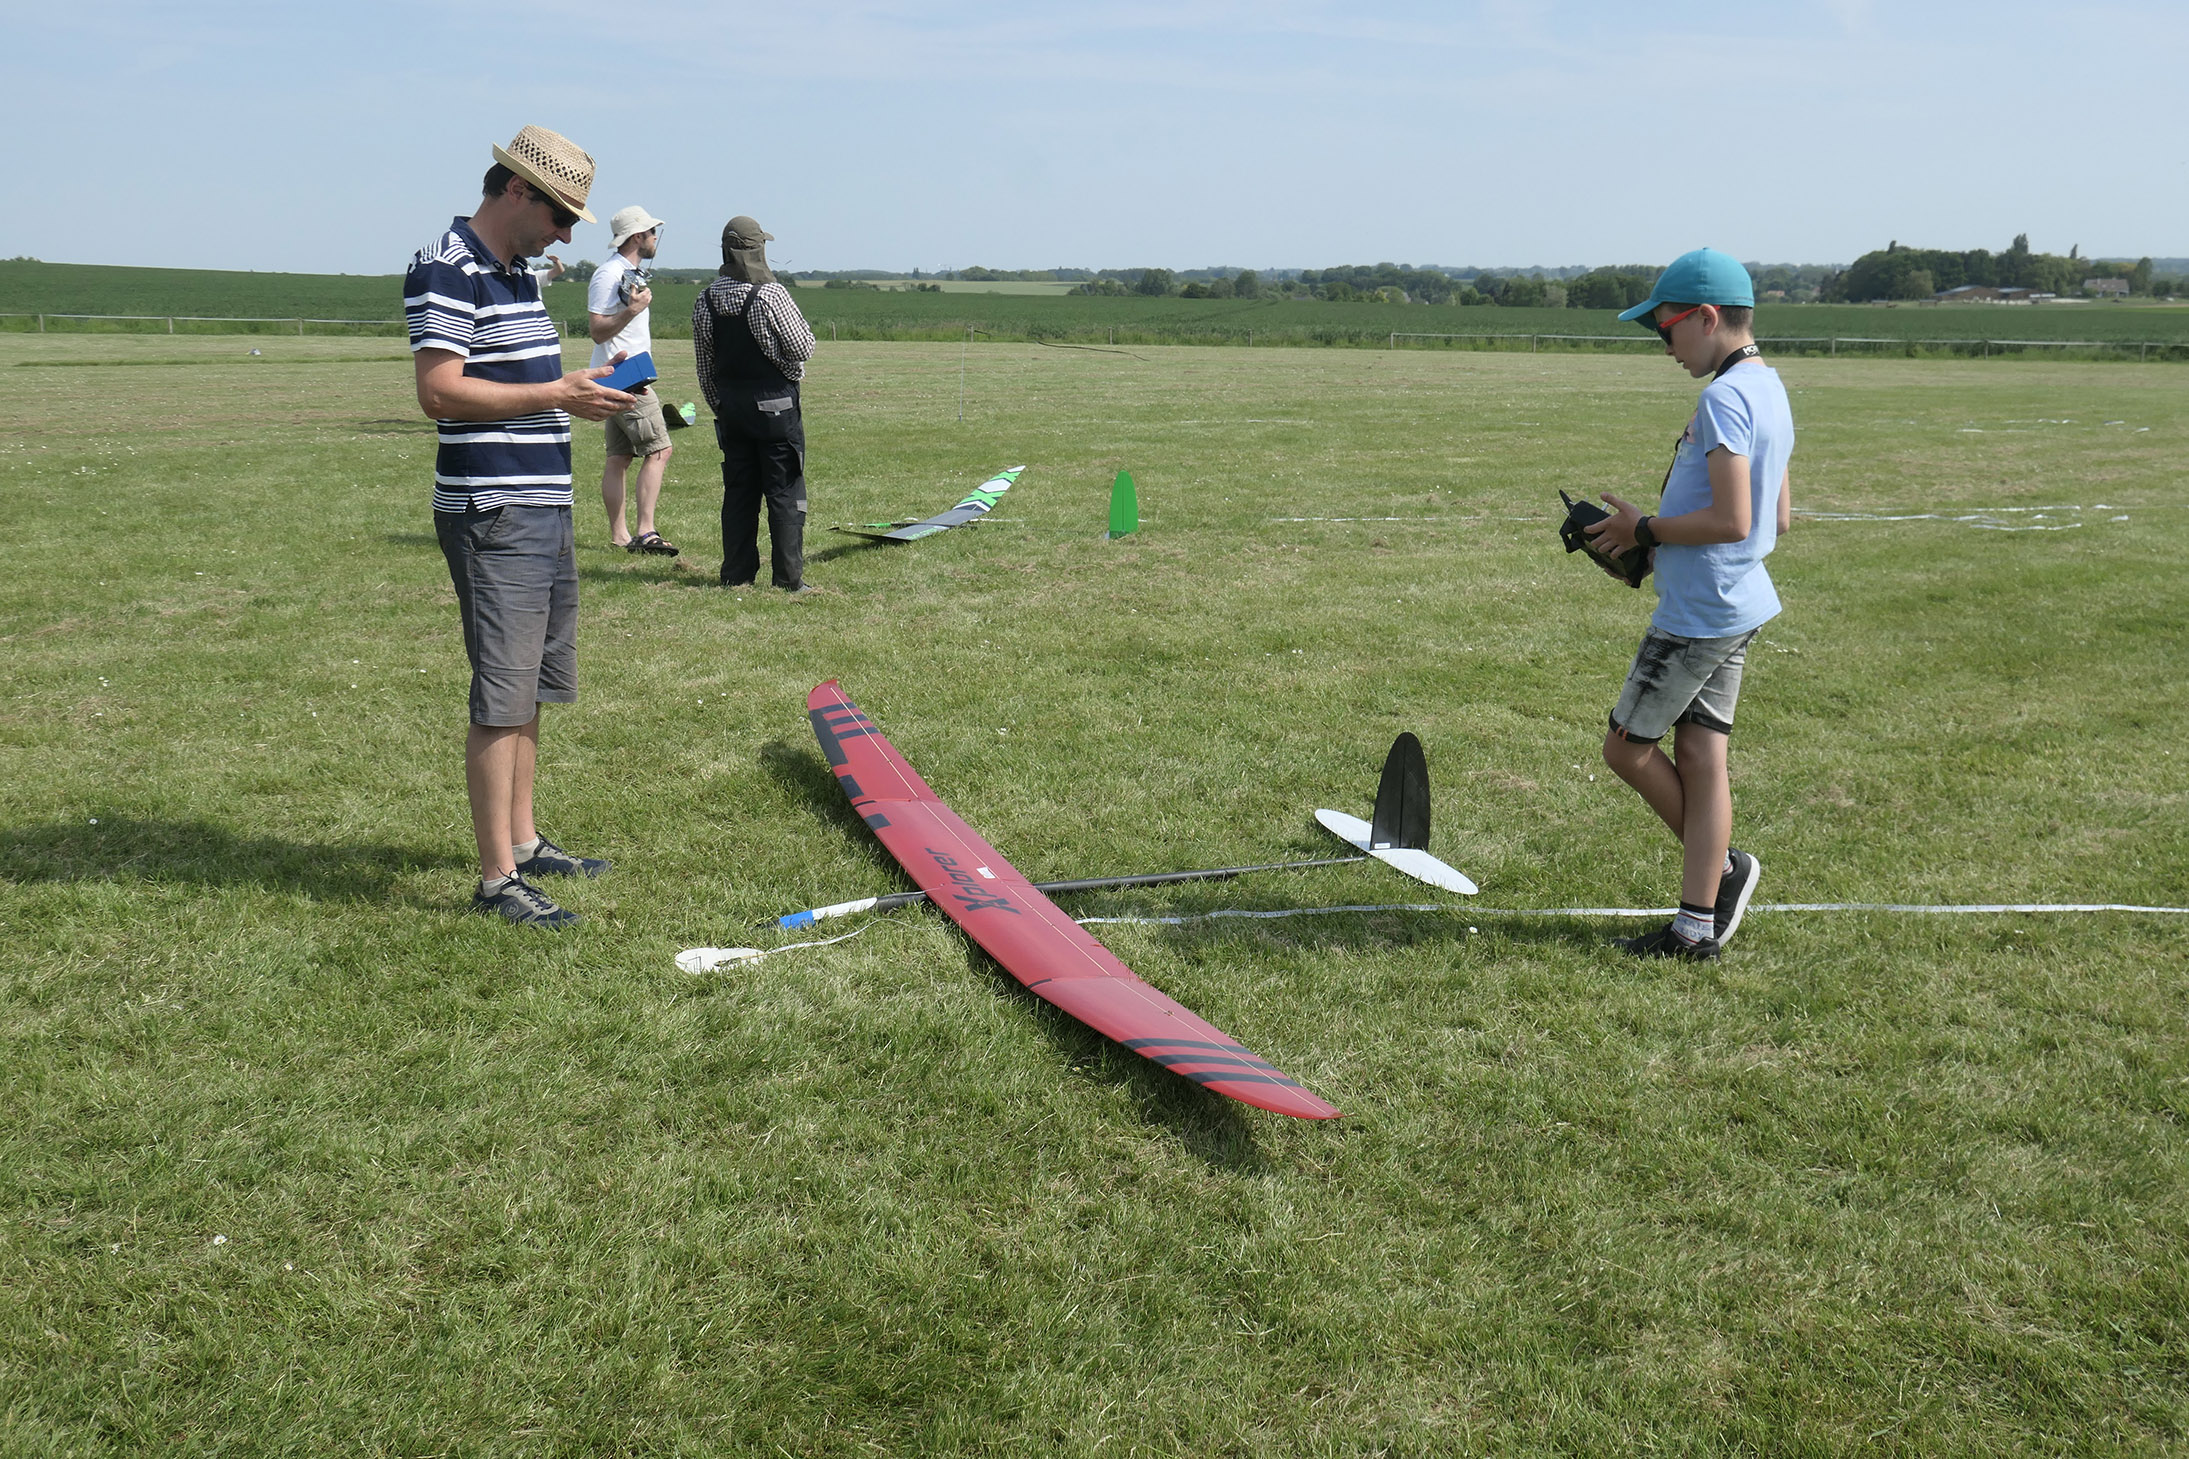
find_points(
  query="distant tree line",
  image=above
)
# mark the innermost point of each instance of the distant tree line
(1390, 283)
(1891, 273)
(1896, 272)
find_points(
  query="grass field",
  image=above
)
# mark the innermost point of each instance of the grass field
(1035, 312)
(300, 1158)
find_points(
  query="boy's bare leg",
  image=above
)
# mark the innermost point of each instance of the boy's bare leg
(1653, 775)
(1708, 821)
(1693, 798)
(650, 475)
(499, 761)
(611, 497)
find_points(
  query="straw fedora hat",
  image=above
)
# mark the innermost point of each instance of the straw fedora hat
(552, 163)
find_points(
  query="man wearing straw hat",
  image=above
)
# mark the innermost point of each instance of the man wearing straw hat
(489, 372)
(752, 345)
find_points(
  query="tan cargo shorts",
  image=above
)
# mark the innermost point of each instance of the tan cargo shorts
(640, 430)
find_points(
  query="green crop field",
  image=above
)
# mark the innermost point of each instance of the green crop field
(1041, 312)
(300, 1158)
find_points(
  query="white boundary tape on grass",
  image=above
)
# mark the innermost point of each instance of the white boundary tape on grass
(1983, 518)
(1915, 907)
(711, 959)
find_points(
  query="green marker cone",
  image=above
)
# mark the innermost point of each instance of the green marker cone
(1124, 507)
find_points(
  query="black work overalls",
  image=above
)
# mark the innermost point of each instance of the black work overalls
(763, 440)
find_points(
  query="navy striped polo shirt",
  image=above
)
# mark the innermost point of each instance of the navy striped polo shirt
(459, 297)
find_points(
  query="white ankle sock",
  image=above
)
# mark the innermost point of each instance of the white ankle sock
(1693, 924)
(1727, 870)
(524, 853)
(497, 886)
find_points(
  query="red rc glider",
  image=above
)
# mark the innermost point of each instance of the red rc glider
(1028, 934)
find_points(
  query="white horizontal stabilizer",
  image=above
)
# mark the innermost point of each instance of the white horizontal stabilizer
(1419, 865)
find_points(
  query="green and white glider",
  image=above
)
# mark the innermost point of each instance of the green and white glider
(974, 505)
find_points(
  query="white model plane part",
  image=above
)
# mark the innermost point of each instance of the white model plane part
(1407, 860)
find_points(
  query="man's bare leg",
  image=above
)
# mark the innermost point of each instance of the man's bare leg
(611, 497)
(650, 475)
(499, 762)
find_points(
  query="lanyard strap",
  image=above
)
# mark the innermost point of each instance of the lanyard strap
(1745, 352)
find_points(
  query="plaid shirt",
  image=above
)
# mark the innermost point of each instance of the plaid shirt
(777, 327)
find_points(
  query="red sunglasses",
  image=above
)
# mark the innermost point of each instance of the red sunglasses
(1664, 330)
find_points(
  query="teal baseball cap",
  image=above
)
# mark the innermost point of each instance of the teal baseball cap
(1705, 276)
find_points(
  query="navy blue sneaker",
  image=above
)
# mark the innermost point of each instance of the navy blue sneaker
(551, 860)
(1665, 943)
(524, 904)
(1734, 890)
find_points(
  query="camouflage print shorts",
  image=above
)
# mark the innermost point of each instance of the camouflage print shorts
(1681, 681)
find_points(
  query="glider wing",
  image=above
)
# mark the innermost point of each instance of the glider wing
(1029, 935)
(975, 504)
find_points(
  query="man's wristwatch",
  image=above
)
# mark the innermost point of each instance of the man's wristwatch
(1643, 537)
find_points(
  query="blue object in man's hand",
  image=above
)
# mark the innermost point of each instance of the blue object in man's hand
(632, 375)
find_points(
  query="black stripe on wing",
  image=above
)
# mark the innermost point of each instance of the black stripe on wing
(1173, 1061)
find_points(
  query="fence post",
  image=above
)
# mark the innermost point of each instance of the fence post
(41, 324)
(1835, 346)
(300, 329)
(170, 324)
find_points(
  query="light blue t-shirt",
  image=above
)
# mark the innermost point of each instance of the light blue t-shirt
(1723, 589)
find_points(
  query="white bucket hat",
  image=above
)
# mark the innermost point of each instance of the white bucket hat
(630, 221)
(552, 163)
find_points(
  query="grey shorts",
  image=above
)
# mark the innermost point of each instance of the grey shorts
(516, 576)
(639, 431)
(1681, 681)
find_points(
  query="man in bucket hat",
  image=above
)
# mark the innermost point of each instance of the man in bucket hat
(489, 372)
(618, 304)
(752, 345)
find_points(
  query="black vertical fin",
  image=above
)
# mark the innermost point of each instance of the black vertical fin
(1402, 800)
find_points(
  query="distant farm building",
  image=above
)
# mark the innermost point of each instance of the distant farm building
(1987, 294)
(2106, 288)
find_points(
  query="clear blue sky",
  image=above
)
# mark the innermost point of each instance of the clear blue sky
(939, 133)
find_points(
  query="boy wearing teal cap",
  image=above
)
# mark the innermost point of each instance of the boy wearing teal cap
(1725, 501)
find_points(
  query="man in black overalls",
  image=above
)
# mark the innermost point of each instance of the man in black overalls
(752, 345)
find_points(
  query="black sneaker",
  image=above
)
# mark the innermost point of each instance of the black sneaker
(1734, 890)
(1664, 943)
(551, 860)
(522, 903)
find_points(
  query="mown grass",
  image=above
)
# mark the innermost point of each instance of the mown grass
(302, 1159)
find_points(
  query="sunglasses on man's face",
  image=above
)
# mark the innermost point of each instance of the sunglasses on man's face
(562, 216)
(1664, 327)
